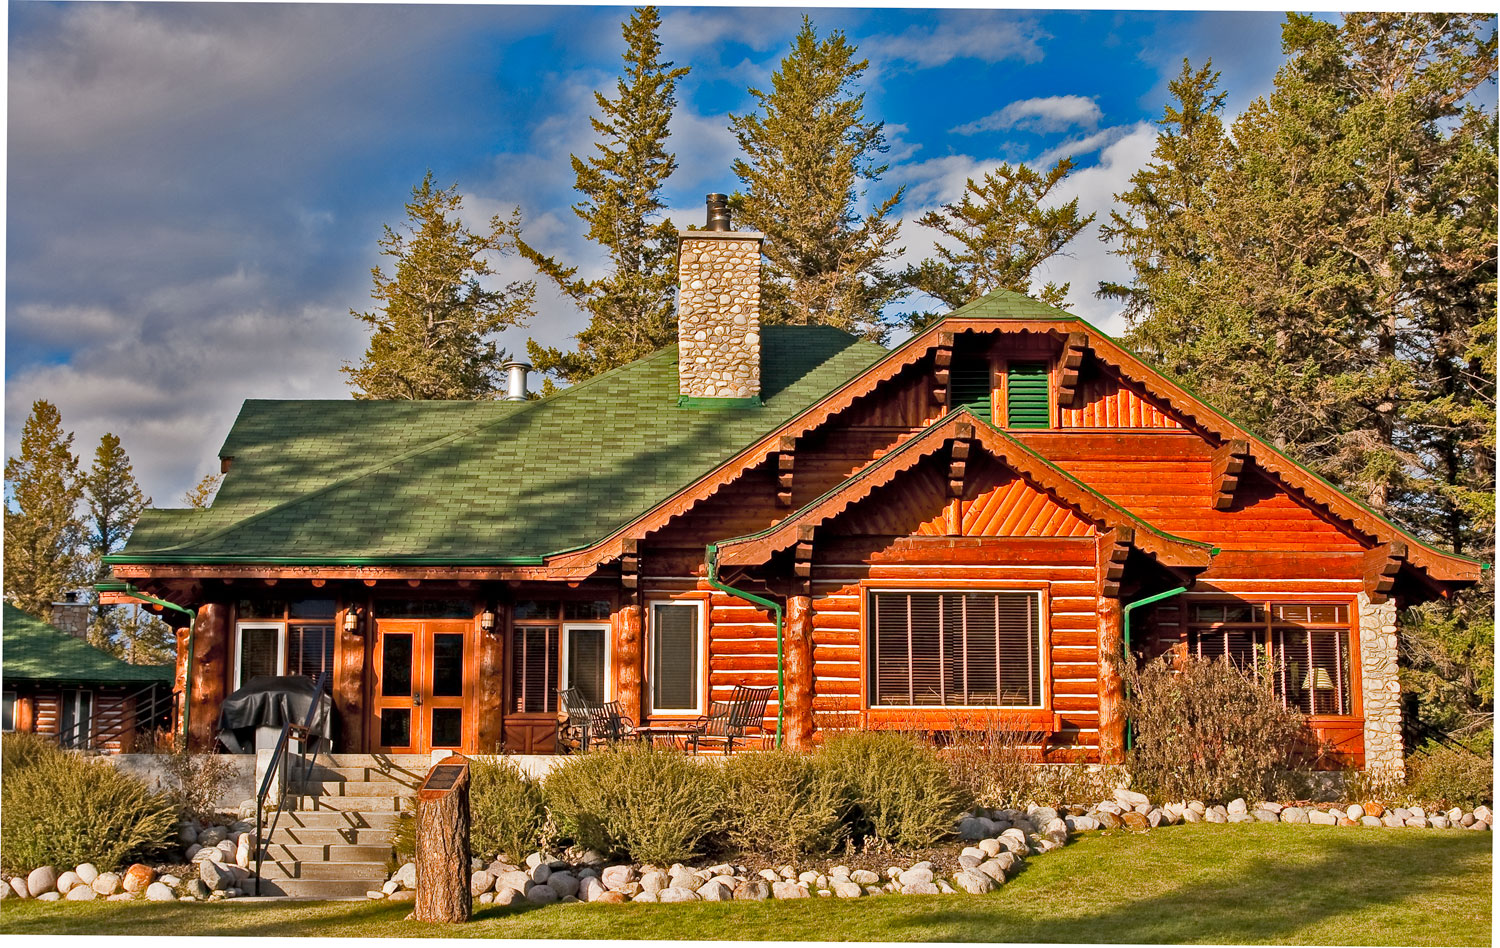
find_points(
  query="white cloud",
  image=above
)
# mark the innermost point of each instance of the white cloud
(989, 38)
(1053, 113)
(1079, 147)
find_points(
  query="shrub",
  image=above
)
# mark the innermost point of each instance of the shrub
(198, 781)
(781, 804)
(505, 807)
(66, 809)
(652, 805)
(1450, 776)
(404, 834)
(899, 789)
(21, 750)
(1207, 730)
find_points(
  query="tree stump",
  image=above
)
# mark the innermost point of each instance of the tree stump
(443, 844)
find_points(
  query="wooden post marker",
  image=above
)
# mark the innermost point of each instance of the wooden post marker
(443, 844)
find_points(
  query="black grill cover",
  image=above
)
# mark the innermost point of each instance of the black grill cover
(271, 701)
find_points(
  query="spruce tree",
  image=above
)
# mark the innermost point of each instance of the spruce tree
(42, 526)
(115, 502)
(201, 495)
(632, 310)
(432, 331)
(1000, 230)
(810, 158)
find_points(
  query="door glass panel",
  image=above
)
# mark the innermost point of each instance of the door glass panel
(258, 651)
(586, 663)
(447, 665)
(447, 727)
(395, 671)
(395, 727)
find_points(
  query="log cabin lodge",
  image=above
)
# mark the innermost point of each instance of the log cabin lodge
(965, 528)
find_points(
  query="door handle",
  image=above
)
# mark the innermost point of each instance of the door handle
(416, 699)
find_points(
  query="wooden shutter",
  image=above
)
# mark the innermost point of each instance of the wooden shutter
(1027, 395)
(674, 658)
(970, 384)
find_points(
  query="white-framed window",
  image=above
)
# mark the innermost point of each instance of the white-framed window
(259, 649)
(8, 702)
(960, 648)
(676, 659)
(585, 659)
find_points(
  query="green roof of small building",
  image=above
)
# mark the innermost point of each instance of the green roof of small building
(36, 651)
(391, 481)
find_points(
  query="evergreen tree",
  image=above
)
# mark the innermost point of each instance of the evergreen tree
(201, 495)
(810, 156)
(632, 311)
(1001, 232)
(431, 332)
(42, 527)
(115, 502)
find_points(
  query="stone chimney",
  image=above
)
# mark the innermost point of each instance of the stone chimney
(71, 616)
(718, 312)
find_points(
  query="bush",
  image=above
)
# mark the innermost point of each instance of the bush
(66, 809)
(899, 789)
(21, 750)
(1207, 730)
(505, 807)
(649, 804)
(781, 804)
(1450, 776)
(198, 781)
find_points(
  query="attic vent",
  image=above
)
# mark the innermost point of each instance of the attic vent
(969, 380)
(1026, 395)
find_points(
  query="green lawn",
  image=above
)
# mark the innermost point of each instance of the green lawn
(1255, 883)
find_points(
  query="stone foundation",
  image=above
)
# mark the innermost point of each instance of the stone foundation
(718, 315)
(1382, 688)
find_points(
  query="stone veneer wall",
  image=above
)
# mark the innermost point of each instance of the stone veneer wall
(1382, 687)
(718, 315)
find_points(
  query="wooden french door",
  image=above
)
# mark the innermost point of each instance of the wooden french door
(424, 679)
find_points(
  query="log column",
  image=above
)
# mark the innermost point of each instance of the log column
(489, 698)
(628, 657)
(180, 679)
(1111, 681)
(209, 673)
(349, 682)
(799, 671)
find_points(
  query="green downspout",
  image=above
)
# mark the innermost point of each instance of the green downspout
(711, 561)
(192, 614)
(1128, 609)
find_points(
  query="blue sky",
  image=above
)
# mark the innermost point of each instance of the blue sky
(195, 191)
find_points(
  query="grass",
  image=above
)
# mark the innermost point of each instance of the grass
(1254, 883)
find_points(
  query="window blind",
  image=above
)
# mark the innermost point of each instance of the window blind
(1308, 664)
(586, 663)
(1027, 395)
(674, 656)
(955, 649)
(534, 669)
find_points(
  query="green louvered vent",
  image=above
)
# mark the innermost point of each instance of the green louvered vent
(969, 381)
(1026, 395)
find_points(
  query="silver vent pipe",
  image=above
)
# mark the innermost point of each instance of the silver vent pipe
(718, 212)
(515, 381)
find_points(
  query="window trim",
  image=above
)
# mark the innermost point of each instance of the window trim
(564, 657)
(240, 627)
(1041, 589)
(701, 647)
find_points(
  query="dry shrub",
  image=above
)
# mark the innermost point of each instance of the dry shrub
(65, 809)
(782, 804)
(650, 804)
(1001, 766)
(197, 782)
(1449, 777)
(1207, 730)
(505, 805)
(900, 789)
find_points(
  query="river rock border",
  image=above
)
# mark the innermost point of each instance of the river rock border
(1135, 810)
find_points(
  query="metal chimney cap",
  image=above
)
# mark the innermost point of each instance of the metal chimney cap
(718, 213)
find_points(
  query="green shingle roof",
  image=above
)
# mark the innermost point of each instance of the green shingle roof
(498, 481)
(36, 651)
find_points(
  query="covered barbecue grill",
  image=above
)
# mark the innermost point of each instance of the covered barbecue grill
(270, 701)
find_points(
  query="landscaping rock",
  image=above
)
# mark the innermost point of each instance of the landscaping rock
(160, 892)
(407, 876)
(198, 889)
(974, 883)
(1081, 824)
(565, 884)
(1266, 805)
(505, 896)
(1416, 821)
(126, 897)
(788, 890)
(516, 879)
(864, 877)
(753, 890)
(1294, 814)
(1391, 819)
(921, 888)
(81, 893)
(376, 895)
(6, 892)
(43, 879)
(1247, 818)
(590, 889)
(848, 890)
(1266, 816)
(66, 881)
(1483, 813)
(405, 895)
(1135, 821)
(916, 874)
(1131, 798)
(677, 893)
(615, 876)
(215, 876)
(1155, 817)
(1111, 807)
(48, 897)
(18, 886)
(1320, 818)
(391, 885)
(542, 894)
(1354, 811)
(1191, 815)
(87, 873)
(973, 828)
(1370, 820)
(653, 882)
(1466, 820)
(1109, 820)
(716, 890)
(1237, 805)
(540, 874)
(1439, 822)
(481, 881)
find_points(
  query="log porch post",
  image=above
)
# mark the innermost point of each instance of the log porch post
(1111, 681)
(211, 655)
(349, 682)
(489, 697)
(799, 671)
(628, 657)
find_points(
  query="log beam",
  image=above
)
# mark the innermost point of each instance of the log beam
(786, 460)
(1069, 367)
(1114, 549)
(802, 557)
(1230, 459)
(1380, 569)
(630, 565)
(942, 365)
(799, 671)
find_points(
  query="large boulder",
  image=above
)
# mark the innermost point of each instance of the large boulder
(716, 890)
(1293, 814)
(6, 892)
(1354, 812)
(517, 879)
(1319, 818)
(541, 894)
(87, 873)
(18, 886)
(43, 879)
(921, 872)
(864, 877)
(788, 890)
(81, 893)
(1131, 798)
(974, 883)
(506, 896)
(921, 888)
(481, 881)
(565, 884)
(1238, 805)
(407, 875)
(653, 882)
(216, 877)
(847, 890)
(67, 880)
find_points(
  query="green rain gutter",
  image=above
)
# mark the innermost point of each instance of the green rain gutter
(711, 561)
(1131, 608)
(192, 614)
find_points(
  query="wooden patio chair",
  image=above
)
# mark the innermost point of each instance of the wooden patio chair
(726, 723)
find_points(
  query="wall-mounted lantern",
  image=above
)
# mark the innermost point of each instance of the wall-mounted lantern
(351, 620)
(487, 620)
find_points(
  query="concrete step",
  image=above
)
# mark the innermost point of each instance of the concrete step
(350, 788)
(304, 803)
(416, 763)
(315, 888)
(329, 819)
(291, 869)
(328, 852)
(329, 773)
(306, 836)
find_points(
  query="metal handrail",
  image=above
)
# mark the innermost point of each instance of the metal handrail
(261, 839)
(159, 703)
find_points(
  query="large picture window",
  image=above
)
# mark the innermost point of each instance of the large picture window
(675, 631)
(955, 649)
(1303, 647)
